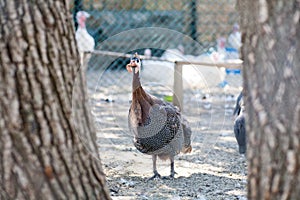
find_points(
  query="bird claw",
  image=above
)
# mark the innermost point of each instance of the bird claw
(156, 175)
(171, 177)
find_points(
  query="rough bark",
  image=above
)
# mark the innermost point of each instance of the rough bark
(271, 49)
(42, 155)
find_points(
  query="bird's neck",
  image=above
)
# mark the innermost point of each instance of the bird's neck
(136, 83)
(81, 23)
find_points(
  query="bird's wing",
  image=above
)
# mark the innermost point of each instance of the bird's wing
(84, 40)
(163, 125)
(240, 130)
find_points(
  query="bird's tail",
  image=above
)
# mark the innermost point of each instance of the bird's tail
(187, 133)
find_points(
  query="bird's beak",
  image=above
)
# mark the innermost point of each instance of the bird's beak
(133, 65)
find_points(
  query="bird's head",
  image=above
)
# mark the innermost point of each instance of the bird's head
(81, 17)
(135, 63)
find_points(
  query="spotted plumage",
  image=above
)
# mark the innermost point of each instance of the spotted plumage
(157, 126)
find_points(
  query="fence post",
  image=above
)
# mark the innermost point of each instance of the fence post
(193, 24)
(178, 86)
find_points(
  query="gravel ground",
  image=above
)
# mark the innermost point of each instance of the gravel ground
(213, 170)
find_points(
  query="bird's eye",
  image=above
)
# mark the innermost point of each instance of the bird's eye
(136, 60)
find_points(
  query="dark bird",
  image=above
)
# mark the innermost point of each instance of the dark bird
(237, 108)
(239, 124)
(157, 126)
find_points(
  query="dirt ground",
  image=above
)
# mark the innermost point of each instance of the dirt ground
(213, 170)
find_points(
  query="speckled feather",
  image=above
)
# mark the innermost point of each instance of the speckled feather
(161, 129)
(157, 126)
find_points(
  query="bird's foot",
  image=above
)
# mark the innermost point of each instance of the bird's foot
(168, 177)
(242, 149)
(156, 175)
(171, 177)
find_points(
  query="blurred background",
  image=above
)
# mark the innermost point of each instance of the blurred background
(205, 26)
(204, 31)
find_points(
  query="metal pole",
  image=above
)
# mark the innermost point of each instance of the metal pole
(194, 20)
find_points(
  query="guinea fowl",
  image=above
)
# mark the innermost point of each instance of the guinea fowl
(237, 108)
(239, 125)
(157, 126)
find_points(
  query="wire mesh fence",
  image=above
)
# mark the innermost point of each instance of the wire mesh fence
(173, 30)
(189, 30)
(204, 25)
(193, 32)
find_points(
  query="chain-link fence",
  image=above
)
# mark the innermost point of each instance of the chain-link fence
(188, 30)
(202, 24)
(195, 31)
(173, 30)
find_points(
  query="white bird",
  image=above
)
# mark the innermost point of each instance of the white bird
(84, 40)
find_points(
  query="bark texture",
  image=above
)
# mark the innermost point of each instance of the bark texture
(271, 49)
(43, 116)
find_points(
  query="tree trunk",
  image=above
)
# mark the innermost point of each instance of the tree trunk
(42, 153)
(271, 49)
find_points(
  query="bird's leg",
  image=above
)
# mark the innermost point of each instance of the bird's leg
(172, 168)
(156, 174)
